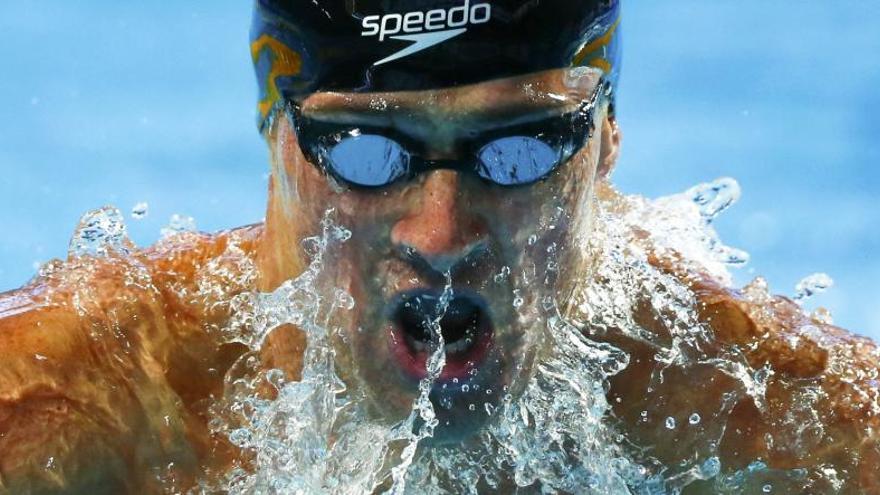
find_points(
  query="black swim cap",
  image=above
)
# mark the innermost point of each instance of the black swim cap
(303, 46)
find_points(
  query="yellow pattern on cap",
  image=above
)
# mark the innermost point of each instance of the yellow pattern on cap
(592, 47)
(285, 62)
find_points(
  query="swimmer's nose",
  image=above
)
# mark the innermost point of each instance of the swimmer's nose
(437, 225)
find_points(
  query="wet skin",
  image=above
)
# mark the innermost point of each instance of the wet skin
(108, 366)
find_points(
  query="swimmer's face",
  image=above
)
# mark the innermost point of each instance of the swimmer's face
(482, 261)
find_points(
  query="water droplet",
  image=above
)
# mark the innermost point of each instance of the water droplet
(472, 407)
(380, 104)
(99, 232)
(312, 246)
(502, 275)
(694, 419)
(341, 234)
(465, 388)
(711, 467)
(670, 423)
(517, 299)
(812, 285)
(240, 437)
(276, 378)
(767, 488)
(140, 210)
(715, 197)
(732, 256)
(344, 300)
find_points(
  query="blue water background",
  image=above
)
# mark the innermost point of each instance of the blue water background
(122, 102)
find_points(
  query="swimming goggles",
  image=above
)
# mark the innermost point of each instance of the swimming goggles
(516, 155)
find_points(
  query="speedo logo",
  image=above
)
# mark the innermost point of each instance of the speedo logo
(425, 29)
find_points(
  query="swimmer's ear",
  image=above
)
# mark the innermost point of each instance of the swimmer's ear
(610, 146)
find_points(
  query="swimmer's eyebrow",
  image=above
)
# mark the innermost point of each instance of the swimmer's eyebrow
(484, 106)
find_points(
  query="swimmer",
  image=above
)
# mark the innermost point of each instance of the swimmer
(457, 141)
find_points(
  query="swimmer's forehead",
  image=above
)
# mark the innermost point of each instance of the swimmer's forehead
(518, 98)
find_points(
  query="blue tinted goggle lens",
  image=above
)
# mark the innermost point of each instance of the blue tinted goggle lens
(371, 160)
(516, 160)
(368, 160)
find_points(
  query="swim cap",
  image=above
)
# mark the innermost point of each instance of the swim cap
(303, 46)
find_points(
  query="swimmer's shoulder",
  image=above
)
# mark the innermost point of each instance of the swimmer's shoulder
(199, 273)
(815, 396)
(184, 277)
(814, 372)
(98, 355)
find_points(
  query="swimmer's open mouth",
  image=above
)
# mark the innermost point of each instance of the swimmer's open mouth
(465, 325)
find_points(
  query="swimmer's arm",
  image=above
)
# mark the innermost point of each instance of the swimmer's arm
(822, 390)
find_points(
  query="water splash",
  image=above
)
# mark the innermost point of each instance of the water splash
(99, 233)
(178, 224)
(556, 434)
(308, 438)
(681, 223)
(423, 408)
(558, 431)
